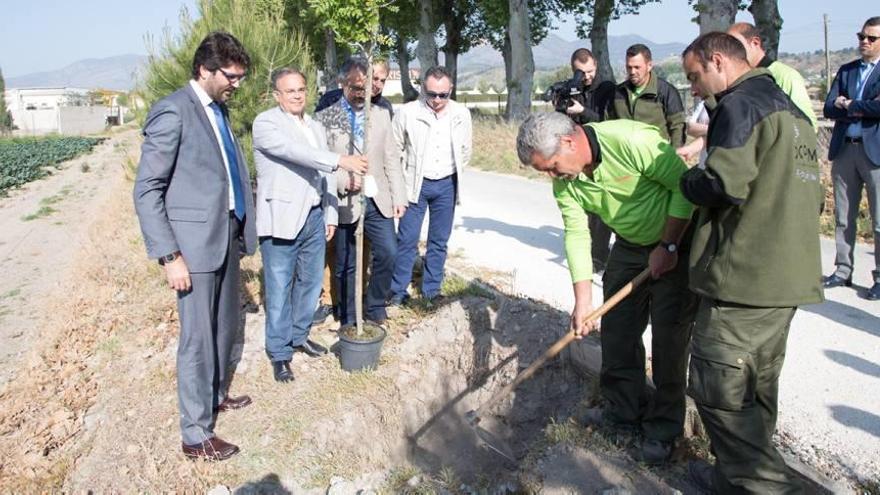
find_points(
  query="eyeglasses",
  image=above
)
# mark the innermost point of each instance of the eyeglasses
(863, 37)
(233, 77)
(431, 95)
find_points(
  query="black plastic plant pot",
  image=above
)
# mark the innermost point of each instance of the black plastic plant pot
(361, 353)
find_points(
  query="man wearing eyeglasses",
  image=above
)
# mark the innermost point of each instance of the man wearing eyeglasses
(296, 216)
(193, 199)
(853, 103)
(345, 124)
(433, 134)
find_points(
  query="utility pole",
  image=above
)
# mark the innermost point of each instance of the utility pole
(827, 58)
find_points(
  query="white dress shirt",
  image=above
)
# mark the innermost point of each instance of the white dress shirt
(206, 101)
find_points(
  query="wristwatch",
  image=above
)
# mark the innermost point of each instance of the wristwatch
(168, 258)
(669, 246)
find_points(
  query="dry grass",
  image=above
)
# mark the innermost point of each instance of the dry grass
(495, 148)
(45, 405)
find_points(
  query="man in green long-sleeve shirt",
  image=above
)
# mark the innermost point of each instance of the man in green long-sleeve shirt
(627, 173)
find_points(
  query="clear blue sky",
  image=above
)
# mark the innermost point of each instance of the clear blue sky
(38, 35)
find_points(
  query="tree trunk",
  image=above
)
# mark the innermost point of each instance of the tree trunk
(769, 23)
(599, 40)
(451, 63)
(426, 51)
(716, 15)
(409, 92)
(522, 66)
(330, 80)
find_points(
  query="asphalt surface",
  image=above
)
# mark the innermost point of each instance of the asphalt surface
(829, 411)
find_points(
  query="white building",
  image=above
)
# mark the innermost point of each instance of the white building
(55, 110)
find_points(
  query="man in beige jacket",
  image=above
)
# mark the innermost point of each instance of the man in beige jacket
(345, 126)
(433, 134)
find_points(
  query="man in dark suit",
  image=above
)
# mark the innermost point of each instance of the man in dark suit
(194, 202)
(853, 103)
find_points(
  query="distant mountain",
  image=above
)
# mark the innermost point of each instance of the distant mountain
(120, 72)
(117, 73)
(554, 52)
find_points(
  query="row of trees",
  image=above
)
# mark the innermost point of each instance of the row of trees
(6, 125)
(512, 27)
(309, 34)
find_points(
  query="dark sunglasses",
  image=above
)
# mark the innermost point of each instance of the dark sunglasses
(431, 95)
(863, 37)
(232, 77)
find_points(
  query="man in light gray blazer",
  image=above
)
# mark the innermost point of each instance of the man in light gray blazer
(194, 202)
(344, 122)
(296, 215)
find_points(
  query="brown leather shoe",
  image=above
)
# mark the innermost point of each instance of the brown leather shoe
(213, 449)
(230, 403)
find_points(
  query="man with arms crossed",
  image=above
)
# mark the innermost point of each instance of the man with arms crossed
(627, 173)
(853, 103)
(296, 215)
(759, 199)
(194, 202)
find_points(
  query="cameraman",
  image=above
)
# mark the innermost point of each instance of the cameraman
(590, 103)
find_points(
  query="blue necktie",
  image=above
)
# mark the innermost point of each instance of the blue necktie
(229, 147)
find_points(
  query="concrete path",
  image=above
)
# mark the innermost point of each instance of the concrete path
(830, 385)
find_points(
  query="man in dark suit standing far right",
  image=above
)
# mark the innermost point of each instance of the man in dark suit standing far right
(853, 103)
(196, 210)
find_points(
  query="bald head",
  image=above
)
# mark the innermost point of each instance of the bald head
(750, 37)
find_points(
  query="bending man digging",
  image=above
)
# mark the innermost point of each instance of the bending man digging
(627, 173)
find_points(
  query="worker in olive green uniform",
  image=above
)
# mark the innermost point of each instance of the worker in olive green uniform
(627, 173)
(754, 259)
(648, 98)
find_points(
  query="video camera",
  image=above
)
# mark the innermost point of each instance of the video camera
(561, 93)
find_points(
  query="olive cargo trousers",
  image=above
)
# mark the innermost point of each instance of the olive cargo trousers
(670, 305)
(736, 358)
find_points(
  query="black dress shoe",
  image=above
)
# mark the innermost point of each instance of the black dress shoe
(311, 348)
(321, 314)
(282, 371)
(232, 403)
(212, 449)
(874, 292)
(836, 281)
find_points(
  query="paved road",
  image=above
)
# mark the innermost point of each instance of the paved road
(830, 385)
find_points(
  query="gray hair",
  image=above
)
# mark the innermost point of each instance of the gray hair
(277, 74)
(540, 133)
(351, 64)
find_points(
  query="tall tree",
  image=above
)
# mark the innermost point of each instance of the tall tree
(769, 23)
(5, 114)
(460, 33)
(398, 25)
(426, 50)
(522, 63)
(593, 17)
(716, 15)
(493, 23)
(260, 26)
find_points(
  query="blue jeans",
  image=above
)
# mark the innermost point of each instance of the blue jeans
(292, 274)
(383, 249)
(438, 197)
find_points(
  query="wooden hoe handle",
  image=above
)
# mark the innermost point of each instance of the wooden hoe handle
(563, 342)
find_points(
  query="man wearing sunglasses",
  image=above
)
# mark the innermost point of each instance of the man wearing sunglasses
(433, 134)
(853, 103)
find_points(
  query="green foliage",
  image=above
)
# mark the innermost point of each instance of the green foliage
(270, 42)
(24, 159)
(5, 114)
(355, 22)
